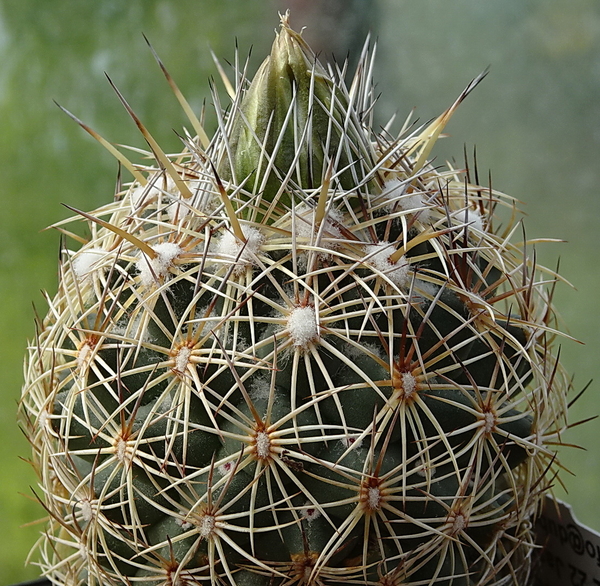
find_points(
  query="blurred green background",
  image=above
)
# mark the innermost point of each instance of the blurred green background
(535, 121)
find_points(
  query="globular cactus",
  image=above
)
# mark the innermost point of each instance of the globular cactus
(296, 353)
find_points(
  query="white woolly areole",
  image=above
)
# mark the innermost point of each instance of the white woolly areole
(263, 445)
(311, 512)
(44, 419)
(179, 208)
(304, 224)
(85, 262)
(489, 422)
(243, 253)
(260, 387)
(122, 451)
(409, 384)
(83, 550)
(470, 216)
(394, 188)
(379, 258)
(153, 269)
(424, 291)
(351, 441)
(459, 523)
(84, 355)
(394, 192)
(225, 469)
(144, 194)
(303, 326)
(206, 526)
(86, 510)
(373, 498)
(185, 525)
(182, 359)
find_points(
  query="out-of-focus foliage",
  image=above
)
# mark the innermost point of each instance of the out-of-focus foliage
(535, 120)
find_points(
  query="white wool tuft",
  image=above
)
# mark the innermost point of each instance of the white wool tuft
(470, 216)
(243, 253)
(311, 512)
(179, 208)
(153, 269)
(206, 526)
(229, 245)
(459, 523)
(409, 384)
(84, 355)
(374, 498)
(185, 525)
(225, 469)
(263, 445)
(304, 221)
(182, 359)
(85, 507)
(424, 290)
(260, 387)
(489, 422)
(84, 551)
(44, 419)
(351, 441)
(379, 258)
(394, 188)
(394, 191)
(304, 224)
(144, 194)
(122, 452)
(302, 325)
(84, 261)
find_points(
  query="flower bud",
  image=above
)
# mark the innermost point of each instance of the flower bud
(289, 124)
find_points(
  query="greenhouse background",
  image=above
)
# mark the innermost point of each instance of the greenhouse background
(535, 121)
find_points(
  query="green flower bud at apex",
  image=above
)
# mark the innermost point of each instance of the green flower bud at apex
(290, 124)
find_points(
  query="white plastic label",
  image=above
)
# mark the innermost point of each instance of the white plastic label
(571, 551)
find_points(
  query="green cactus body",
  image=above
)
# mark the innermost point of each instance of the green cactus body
(306, 358)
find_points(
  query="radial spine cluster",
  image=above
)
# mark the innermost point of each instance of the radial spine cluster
(296, 353)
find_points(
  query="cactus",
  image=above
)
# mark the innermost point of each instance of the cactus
(295, 353)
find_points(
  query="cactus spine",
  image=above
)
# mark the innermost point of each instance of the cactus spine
(296, 353)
